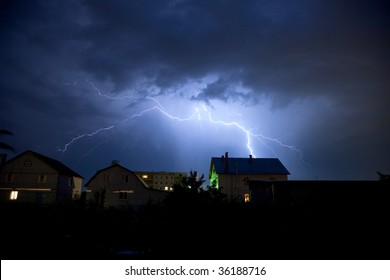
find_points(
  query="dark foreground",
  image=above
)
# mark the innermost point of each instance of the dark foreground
(355, 228)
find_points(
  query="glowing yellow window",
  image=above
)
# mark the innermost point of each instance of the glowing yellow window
(247, 197)
(145, 176)
(14, 195)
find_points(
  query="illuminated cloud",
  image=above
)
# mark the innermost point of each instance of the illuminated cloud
(313, 75)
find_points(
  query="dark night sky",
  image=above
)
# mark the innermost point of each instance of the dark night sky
(166, 85)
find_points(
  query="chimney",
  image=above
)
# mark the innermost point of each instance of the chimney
(226, 163)
(250, 159)
(114, 162)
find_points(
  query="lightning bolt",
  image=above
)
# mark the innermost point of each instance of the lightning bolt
(249, 135)
(159, 107)
(196, 115)
(90, 151)
(82, 136)
(109, 96)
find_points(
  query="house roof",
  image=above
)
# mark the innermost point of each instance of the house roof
(248, 166)
(115, 165)
(57, 165)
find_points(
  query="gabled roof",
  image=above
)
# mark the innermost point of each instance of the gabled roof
(248, 166)
(57, 165)
(115, 166)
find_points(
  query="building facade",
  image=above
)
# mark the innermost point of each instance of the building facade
(163, 181)
(117, 186)
(231, 175)
(34, 178)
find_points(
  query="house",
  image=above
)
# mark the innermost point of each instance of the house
(160, 180)
(117, 186)
(231, 175)
(35, 178)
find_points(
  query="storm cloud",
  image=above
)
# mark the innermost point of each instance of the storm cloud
(312, 74)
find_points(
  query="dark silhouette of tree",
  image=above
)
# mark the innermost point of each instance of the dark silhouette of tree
(192, 182)
(3, 145)
(186, 190)
(213, 195)
(99, 198)
(189, 191)
(383, 177)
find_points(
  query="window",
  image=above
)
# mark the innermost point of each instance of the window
(14, 195)
(9, 178)
(144, 176)
(125, 178)
(122, 195)
(107, 178)
(42, 178)
(247, 197)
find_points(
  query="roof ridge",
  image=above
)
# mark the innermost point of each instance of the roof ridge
(54, 163)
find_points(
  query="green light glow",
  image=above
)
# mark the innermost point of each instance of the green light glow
(214, 179)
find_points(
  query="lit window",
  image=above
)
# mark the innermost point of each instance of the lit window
(247, 197)
(144, 176)
(166, 188)
(122, 195)
(14, 195)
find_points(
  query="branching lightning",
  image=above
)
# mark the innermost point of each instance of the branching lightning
(250, 135)
(195, 115)
(75, 139)
(90, 150)
(109, 96)
(159, 107)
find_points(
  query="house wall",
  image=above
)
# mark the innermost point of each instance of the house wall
(77, 187)
(64, 189)
(122, 188)
(22, 175)
(236, 186)
(160, 180)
